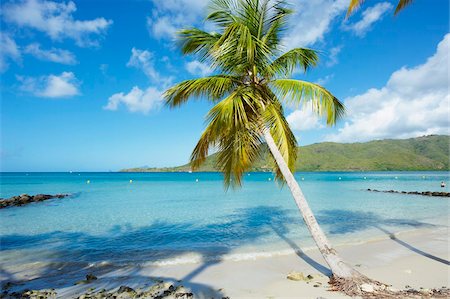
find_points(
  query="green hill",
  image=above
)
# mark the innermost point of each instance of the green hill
(421, 153)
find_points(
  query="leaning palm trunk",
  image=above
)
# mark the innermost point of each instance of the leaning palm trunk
(338, 267)
(248, 92)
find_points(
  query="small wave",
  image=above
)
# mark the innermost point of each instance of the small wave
(236, 257)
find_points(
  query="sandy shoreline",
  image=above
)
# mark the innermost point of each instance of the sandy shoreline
(418, 259)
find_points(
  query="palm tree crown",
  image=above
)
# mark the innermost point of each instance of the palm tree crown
(250, 86)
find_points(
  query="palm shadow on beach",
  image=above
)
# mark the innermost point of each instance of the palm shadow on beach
(116, 256)
(344, 221)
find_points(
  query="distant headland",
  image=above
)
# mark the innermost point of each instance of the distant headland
(421, 153)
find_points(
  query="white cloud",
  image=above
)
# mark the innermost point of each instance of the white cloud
(144, 61)
(324, 80)
(161, 26)
(198, 68)
(8, 51)
(304, 119)
(311, 20)
(333, 56)
(56, 20)
(53, 54)
(168, 16)
(369, 17)
(136, 100)
(51, 86)
(414, 102)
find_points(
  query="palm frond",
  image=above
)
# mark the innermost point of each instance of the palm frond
(213, 88)
(286, 63)
(196, 41)
(354, 5)
(401, 5)
(275, 25)
(282, 135)
(233, 128)
(299, 92)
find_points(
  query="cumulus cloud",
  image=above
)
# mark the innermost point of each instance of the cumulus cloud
(55, 19)
(307, 26)
(369, 17)
(51, 86)
(144, 61)
(198, 68)
(415, 101)
(8, 51)
(304, 119)
(137, 100)
(311, 21)
(53, 54)
(168, 16)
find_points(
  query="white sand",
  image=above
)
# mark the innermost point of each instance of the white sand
(418, 259)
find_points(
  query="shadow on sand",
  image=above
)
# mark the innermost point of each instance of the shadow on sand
(343, 221)
(117, 256)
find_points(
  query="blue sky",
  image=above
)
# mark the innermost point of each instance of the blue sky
(81, 81)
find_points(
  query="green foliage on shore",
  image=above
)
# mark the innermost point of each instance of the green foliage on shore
(421, 153)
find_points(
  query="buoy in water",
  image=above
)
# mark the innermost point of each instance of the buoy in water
(88, 182)
(131, 181)
(340, 178)
(196, 180)
(365, 178)
(269, 179)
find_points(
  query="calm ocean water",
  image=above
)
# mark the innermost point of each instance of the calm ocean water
(169, 218)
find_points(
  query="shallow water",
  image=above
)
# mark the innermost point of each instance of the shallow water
(169, 218)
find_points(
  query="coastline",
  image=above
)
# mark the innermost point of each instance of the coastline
(416, 259)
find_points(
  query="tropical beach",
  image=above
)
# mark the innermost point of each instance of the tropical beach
(242, 243)
(285, 155)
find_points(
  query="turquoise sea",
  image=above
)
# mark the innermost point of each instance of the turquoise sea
(172, 218)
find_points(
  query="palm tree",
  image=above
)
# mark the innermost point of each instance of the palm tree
(248, 92)
(354, 4)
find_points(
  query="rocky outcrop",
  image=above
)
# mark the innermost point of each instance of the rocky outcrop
(424, 193)
(24, 199)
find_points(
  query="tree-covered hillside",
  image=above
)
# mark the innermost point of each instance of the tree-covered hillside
(422, 153)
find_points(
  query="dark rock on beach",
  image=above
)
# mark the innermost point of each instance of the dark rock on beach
(24, 199)
(125, 289)
(424, 193)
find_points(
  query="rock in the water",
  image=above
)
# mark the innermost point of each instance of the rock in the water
(424, 193)
(90, 277)
(26, 199)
